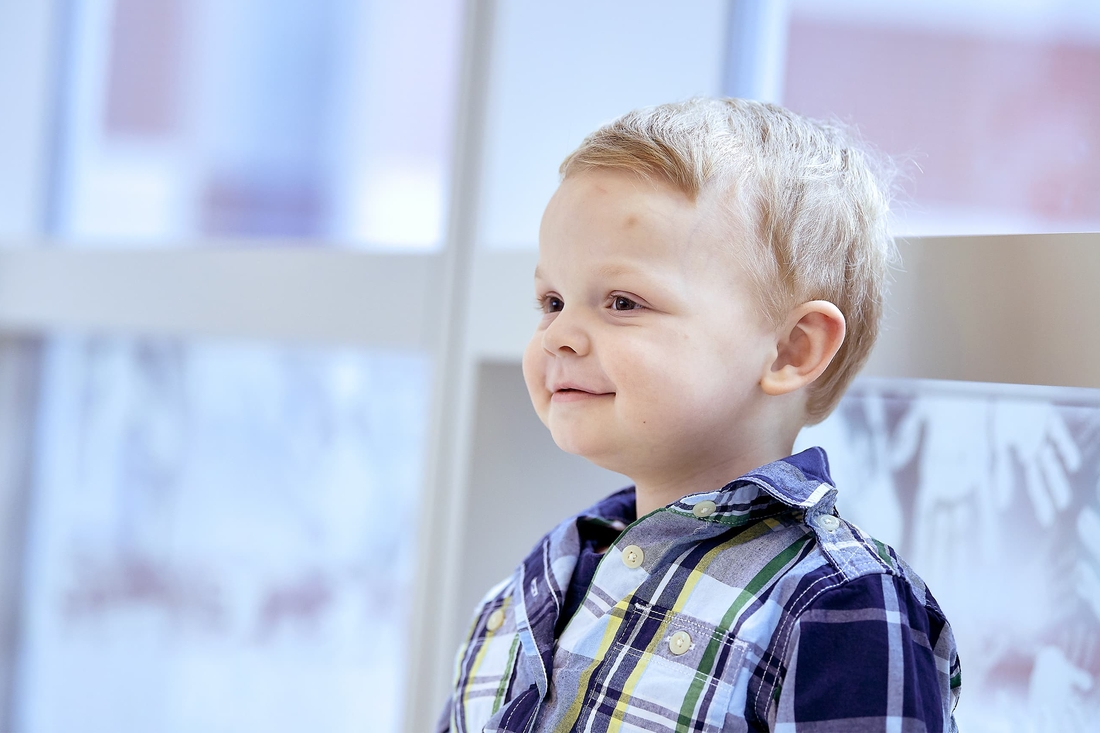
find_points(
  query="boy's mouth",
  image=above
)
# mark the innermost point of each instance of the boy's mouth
(573, 394)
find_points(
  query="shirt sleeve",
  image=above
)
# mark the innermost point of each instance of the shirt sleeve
(872, 656)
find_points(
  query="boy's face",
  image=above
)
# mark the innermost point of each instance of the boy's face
(651, 347)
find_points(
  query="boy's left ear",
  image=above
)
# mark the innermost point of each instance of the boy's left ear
(808, 341)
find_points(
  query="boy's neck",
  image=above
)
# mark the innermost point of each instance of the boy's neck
(654, 492)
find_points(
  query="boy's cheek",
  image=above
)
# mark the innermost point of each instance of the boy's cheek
(534, 376)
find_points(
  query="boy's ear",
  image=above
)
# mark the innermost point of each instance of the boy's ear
(808, 341)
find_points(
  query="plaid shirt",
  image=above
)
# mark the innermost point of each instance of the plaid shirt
(753, 607)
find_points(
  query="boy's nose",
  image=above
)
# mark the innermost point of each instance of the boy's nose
(564, 336)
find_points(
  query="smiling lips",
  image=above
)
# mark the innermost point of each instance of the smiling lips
(572, 393)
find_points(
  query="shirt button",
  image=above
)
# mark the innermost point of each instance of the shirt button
(703, 508)
(496, 619)
(828, 522)
(679, 643)
(633, 556)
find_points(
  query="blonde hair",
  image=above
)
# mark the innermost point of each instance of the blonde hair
(814, 195)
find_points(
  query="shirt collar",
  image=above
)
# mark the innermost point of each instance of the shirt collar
(615, 511)
(800, 481)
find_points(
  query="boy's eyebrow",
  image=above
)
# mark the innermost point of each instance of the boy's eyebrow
(615, 269)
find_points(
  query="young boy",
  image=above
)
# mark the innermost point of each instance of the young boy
(711, 277)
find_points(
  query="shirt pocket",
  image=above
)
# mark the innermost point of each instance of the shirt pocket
(662, 672)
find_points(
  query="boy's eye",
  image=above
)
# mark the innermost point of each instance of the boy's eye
(623, 303)
(551, 304)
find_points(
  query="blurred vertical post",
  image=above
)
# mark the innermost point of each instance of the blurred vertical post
(18, 396)
(756, 49)
(432, 646)
(28, 65)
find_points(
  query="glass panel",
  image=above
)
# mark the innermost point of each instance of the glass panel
(327, 119)
(991, 493)
(221, 537)
(995, 106)
(562, 69)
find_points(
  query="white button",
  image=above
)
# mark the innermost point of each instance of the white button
(633, 556)
(704, 508)
(828, 522)
(496, 618)
(679, 643)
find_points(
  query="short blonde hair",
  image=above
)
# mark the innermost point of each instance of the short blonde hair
(814, 195)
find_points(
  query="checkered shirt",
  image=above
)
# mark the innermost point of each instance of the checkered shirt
(765, 611)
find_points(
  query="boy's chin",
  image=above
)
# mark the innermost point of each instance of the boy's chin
(578, 443)
(594, 449)
(569, 442)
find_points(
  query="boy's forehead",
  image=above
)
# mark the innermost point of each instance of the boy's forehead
(634, 197)
(617, 222)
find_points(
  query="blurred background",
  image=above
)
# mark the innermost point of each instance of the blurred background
(244, 488)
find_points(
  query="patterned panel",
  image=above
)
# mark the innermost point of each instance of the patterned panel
(991, 492)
